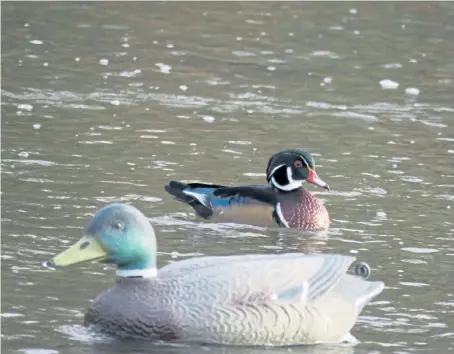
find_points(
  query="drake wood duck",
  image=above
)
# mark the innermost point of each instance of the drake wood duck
(250, 300)
(283, 202)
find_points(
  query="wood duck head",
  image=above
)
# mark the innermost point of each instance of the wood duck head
(288, 169)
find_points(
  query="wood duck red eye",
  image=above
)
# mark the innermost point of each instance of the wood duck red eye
(298, 164)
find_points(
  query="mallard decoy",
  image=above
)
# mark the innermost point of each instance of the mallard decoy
(252, 300)
(283, 202)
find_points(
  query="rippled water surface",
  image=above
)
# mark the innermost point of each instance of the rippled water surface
(106, 102)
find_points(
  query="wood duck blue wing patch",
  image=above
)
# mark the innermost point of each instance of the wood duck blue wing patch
(197, 195)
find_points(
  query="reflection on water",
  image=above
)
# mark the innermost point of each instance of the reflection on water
(106, 102)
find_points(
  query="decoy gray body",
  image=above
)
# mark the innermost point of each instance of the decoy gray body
(282, 202)
(254, 300)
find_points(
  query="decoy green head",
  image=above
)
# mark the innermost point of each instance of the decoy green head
(118, 233)
(288, 169)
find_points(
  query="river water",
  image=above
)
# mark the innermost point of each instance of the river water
(107, 102)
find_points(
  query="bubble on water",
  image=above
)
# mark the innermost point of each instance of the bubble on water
(389, 84)
(164, 68)
(412, 91)
(183, 87)
(291, 34)
(328, 80)
(166, 142)
(115, 102)
(353, 11)
(25, 107)
(77, 59)
(170, 46)
(36, 126)
(23, 154)
(36, 41)
(26, 25)
(208, 119)
(104, 61)
(288, 51)
(239, 38)
(125, 45)
(356, 32)
(271, 68)
(412, 61)
(45, 64)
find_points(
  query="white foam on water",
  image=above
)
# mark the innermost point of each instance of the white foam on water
(208, 119)
(25, 107)
(392, 66)
(38, 351)
(164, 68)
(419, 250)
(389, 84)
(104, 61)
(412, 91)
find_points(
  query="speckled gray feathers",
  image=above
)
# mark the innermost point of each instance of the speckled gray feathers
(282, 299)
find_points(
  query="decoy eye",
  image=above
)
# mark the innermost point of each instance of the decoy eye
(298, 164)
(118, 225)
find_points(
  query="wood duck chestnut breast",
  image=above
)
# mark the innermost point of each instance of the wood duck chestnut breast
(282, 202)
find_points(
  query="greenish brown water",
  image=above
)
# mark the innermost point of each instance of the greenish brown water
(209, 91)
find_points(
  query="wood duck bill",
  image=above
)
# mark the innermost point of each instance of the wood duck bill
(315, 179)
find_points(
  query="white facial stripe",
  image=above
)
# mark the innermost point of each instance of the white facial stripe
(290, 175)
(144, 273)
(302, 158)
(288, 187)
(292, 184)
(275, 169)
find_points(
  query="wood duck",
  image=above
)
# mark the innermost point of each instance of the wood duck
(283, 202)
